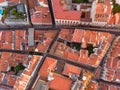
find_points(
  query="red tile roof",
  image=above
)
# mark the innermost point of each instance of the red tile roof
(71, 69)
(41, 47)
(58, 8)
(98, 72)
(78, 35)
(11, 80)
(83, 58)
(60, 83)
(6, 55)
(85, 37)
(112, 87)
(102, 12)
(2, 1)
(93, 59)
(49, 64)
(93, 86)
(73, 55)
(113, 63)
(66, 34)
(63, 33)
(109, 75)
(41, 15)
(4, 66)
(109, 62)
(24, 78)
(105, 86)
(7, 46)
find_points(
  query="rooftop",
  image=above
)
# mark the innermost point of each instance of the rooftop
(64, 79)
(71, 69)
(63, 84)
(78, 46)
(8, 62)
(22, 81)
(112, 65)
(104, 86)
(93, 85)
(49, 64)
(61, 7)
(103, 11)
(40, 13)
(18, 40)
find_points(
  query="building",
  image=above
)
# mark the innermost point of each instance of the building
(39, 12)
(36, 40)
(70, 13)
(111, 70)
(23, 80)
(60, 75)
(101, 12)
(75, 45)
(16, 16)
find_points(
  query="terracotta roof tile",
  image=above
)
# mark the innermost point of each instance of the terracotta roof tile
(63, 33)
(6, 55)
(83, 58)
(109, 62)
(49, 63)
(58, 8)
(93, 86)
(11, 80)
(4, 66)
(98, 72)
(103, 86)
(93, 59)
(24, 78)
(60, 83)
(109, 75)
(102, 12)
(7, 45)
(115, 63)
(71, 69)
(41, 47)
(73, 55)
(41, 15)
(87, 36)
(2, 1)
(17, 43)
(78, 35)
(112, 87)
